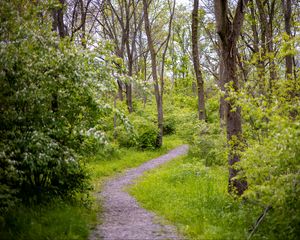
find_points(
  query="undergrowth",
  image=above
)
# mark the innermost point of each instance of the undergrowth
(66, 220)
(100, 167)
(195, 198)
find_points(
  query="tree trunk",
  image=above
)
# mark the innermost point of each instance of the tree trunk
(58, 25)
(233, 118)
(229, 33)
(154, 74)
(59, 15)
(129, 86)
(266, 20)
(260, 65)
(83, 20)
(287, 11)
(196, 62)
(222, 108)
(120, 90)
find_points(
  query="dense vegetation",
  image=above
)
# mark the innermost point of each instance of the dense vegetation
(89, 88)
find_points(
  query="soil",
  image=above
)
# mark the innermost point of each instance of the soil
(123, 218)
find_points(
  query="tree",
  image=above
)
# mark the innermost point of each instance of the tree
(287, 11)
(58, 20)
(199, 78)
(158, 82)
(266, 10)
(121, 21)
(59, 26)
(229, 32)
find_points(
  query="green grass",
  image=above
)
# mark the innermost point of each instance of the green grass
(57, 221)
(127, 158)
(195, 199)
(65, 220)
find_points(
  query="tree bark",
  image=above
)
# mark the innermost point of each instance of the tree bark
(58, 20)
(196, 62)
(229, 32)
(222, 108)
(129, 85)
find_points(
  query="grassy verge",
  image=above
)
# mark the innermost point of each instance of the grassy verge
(128, 158)
(71, 220)
(59, 220)
(194, 198)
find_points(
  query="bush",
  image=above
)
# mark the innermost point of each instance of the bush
(125, 138)
(50, 92)
(144, 134)
(42, 168)
(147, 134)
(169, 125)
(272, 171)
(207, 141)
(148, 137)
(208, 144)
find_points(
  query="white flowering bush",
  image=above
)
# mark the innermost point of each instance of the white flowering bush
(40, 145)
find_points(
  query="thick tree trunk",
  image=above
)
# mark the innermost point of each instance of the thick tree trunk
(130, 51)
(196, 62)
(233, 119)
(229, 33)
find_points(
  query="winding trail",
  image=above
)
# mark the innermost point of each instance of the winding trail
(123, 218)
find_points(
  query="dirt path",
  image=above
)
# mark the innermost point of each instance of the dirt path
(123, 218)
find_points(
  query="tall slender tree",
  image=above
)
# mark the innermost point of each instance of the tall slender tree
(266, 10)
(196, 62)
(158, 79)
(287, 11)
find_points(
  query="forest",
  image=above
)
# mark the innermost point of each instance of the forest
(98, 96)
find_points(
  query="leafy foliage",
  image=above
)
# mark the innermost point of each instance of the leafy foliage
(272, 171)
(41, 143)
(147, 134)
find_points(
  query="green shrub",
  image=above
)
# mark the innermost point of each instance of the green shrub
(125, 138)
(146, 133)
(207, 140)
(147, 136)
(144, 136)
(272, 171)
(50, 93)
(42, 167)
(208, 144)
(169, 125)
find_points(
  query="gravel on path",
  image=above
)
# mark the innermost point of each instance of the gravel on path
(123, 218)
